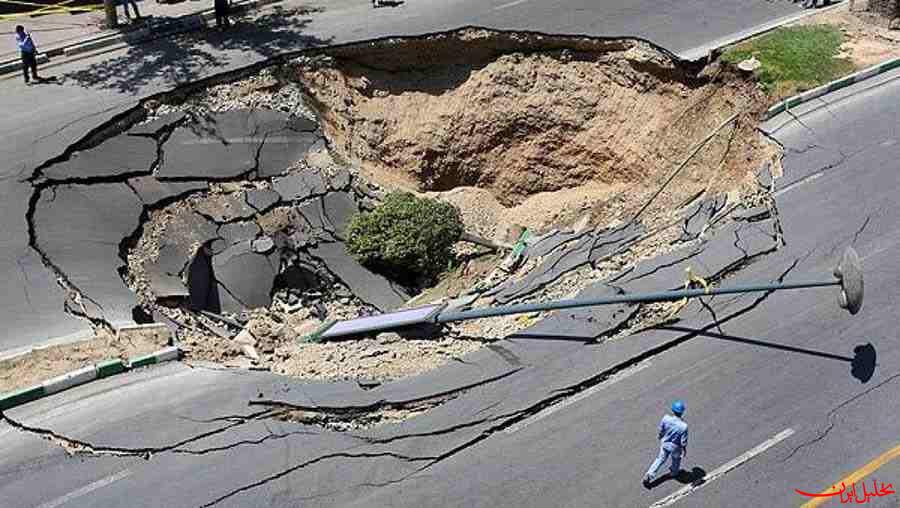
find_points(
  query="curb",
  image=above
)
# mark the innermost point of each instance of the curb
(827, 88)
(11, 66)
(700, 52)
(185, 23)
(104, 369)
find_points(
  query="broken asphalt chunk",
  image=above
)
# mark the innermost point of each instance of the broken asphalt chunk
(152, 191)
(154, 127)
(300, 185)
(367, 286)
(262, 199)
(117, 156)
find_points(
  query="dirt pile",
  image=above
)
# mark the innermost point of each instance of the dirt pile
(45, 363)
(612, 118)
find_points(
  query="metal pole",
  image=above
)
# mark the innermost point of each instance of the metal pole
(663, 296)
(111, 16)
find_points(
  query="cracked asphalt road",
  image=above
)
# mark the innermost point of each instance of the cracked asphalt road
(486, 446)
(41, 122)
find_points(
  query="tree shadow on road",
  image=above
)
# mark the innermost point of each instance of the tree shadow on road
(180, 58)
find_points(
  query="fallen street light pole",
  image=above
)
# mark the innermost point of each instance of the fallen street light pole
(848, 275)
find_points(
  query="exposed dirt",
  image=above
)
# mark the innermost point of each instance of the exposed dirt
(869, 41)
(551, 134)
(514, 130)
(42, 364)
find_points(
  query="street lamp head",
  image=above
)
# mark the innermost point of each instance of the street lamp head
(849, 272)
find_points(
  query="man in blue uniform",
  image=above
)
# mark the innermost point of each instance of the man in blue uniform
(673, 439)
(28, 52)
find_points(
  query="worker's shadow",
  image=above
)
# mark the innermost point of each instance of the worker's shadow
(695, 476)
(862, 364)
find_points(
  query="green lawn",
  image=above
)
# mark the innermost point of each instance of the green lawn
(794, 58)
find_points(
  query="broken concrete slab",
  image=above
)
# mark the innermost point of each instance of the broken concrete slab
(262, 199)
(580, 250)
(614, 240)
(233, 143)
(226, 207)
(154, 127)
(245, 280)
(700, 215)
(118, 156)
(733, 244)
(165, 273)
(553, 267)
(755, 214)
(152, 191)
(310, 218)
(660, 273)
(79, 229)
(339, 208)
(551, 242)
(185, 230)
(367, 286)
(262, 245)
(242, 247)
(300, 185)
(235, 232)
(339, 179)
(585, 324)
(220, 146)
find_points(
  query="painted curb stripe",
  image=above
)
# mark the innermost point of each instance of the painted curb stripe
(85, 375)
(110, 368)
(70, 379)
(833, 86)
(21, 397)
(167, 354)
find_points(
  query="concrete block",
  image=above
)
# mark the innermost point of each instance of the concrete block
(70, 379)
(158, 333)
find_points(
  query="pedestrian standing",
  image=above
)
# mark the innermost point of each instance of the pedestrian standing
(673, 439)
(221, 8)
(125, 3)
(28, 52)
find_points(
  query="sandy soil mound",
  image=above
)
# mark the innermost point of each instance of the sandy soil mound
(537, 120)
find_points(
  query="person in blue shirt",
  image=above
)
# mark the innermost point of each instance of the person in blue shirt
(28, 52)
(673, 439)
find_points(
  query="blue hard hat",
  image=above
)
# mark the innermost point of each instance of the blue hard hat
(678, 407)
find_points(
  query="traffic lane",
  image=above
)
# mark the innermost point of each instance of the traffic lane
(744, 393)
(832, 132)
(148, 408)
(678, 26)
(97, 88)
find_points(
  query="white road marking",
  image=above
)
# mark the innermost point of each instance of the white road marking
(87, 489)
(504, 6)
(571, 400)
(688, 489)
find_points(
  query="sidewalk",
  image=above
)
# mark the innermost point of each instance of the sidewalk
(62, 29)
(89, 38)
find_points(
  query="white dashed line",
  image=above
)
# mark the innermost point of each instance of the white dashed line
(688, 489)
(505, 6)
(571, 400)
(87, 489)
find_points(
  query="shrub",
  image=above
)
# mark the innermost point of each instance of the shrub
(406, 238)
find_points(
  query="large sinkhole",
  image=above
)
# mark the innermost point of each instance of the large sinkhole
(238, 194)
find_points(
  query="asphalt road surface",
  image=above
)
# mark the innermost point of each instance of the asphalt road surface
(40, 122)
(774, 401)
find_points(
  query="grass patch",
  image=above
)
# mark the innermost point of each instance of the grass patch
(794, 59)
